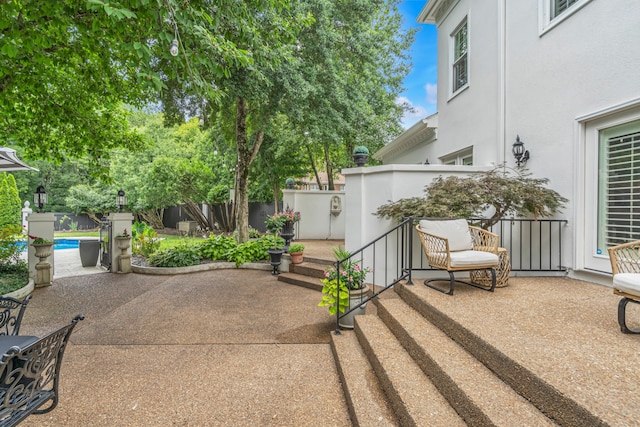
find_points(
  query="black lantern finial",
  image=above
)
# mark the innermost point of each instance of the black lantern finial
(121, 200)
(521, 155)
(40, 197)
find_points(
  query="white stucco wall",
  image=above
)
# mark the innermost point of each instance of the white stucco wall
(478, 126)
(317, 221)
(371, 187)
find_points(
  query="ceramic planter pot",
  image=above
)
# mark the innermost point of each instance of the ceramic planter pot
(355, 298)
(275, 256)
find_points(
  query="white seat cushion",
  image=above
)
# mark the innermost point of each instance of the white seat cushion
(471, 258)
(627, 282)
(456, 231)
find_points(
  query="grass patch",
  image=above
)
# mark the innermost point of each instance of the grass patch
(71, 234)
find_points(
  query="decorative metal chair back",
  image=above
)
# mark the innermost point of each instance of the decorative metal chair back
(29, 376)
(11, 312)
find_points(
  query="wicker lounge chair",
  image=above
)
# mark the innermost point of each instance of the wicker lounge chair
(454, 245)
(625, 267)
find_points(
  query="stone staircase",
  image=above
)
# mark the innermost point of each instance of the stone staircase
(409, 364)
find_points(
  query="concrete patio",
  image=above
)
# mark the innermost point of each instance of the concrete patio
(237, 347)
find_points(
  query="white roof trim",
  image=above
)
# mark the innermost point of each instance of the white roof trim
(422, 132)
(435, 10)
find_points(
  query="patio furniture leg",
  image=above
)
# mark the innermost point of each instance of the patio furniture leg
(622, 310)
(452, 281)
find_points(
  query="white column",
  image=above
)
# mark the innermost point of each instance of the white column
(25, 213)
(39, 225)
(120, 221)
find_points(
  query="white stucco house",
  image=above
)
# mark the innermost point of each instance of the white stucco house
(563, 75)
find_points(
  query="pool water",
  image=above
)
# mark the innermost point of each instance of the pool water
(57, 244)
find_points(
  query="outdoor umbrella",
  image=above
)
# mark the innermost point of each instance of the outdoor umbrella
(10, 162)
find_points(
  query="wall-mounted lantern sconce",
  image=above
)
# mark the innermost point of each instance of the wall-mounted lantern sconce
(519, 152)
(40, 197)
(121, 200)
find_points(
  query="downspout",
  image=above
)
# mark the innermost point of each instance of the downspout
(503, 145)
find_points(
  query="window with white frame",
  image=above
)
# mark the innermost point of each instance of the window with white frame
(460, 63)
(462, 157)
(619, 185)
(552, 12)
(559, 6)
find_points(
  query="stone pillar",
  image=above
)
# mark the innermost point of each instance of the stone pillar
(39, 225)
(120, 260)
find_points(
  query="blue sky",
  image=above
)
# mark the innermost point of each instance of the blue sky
(420, 84)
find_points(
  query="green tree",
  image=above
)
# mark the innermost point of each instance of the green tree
(500, 192)
(10, 206)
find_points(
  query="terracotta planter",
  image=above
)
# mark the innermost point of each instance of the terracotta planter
(296, 257)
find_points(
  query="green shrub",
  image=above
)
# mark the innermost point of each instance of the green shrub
(145, 239)
(13, 276)
(216, 247)
(251, 251)
(182, 255)
(9, 250)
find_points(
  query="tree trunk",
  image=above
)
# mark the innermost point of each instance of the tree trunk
(313, 166)
(195, 213)
(246, 155)
(153, 217)
(327, 161)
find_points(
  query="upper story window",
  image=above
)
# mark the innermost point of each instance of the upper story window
(553, 12)
(559, 6)
(460, 63)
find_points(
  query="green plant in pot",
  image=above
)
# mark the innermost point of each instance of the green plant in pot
(274, 225)
(295, 251)
(344, 287)
(360, 155)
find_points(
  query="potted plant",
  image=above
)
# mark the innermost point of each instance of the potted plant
(295, 251)
(289, 217)
(360, 155)
(344, 288)
(42, 246)
(123, 240)
(290, 182)
(274, 225)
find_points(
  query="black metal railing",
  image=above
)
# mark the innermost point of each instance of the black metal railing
(532, 245)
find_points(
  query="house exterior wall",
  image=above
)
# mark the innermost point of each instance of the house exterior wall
(480, 101)
(317, 221)
(555, 86)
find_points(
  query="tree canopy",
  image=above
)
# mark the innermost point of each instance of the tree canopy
(499, 192)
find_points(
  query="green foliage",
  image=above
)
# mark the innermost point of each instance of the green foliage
(217, 247)
(181, 255)
(361, 149)
(9, 251)
(296, 247)
(501, 191)
(145, 239)
(249, 251)
(337, 282)
(10, 205)
(13, 276)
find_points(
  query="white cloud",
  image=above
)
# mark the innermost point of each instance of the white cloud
(432, 93)
(412, 113)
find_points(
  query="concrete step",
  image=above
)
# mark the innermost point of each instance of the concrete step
(300, 280)
(310, 269)
(557, 406)
(476, 394)
(414, 399)
(365, 399)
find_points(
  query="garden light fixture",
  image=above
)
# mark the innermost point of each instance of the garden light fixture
(40, 197)
(519, 152)
(121, 200)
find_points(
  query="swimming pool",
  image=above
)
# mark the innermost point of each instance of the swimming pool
(57, 244)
